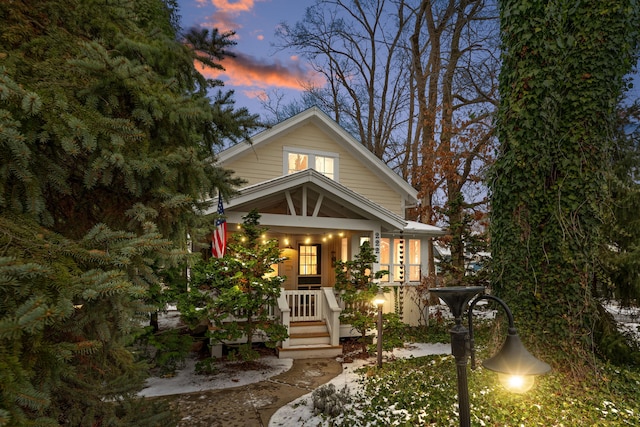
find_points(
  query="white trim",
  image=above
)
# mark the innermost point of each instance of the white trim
(392, 224)
(292, 208)
(275, 220)
(318, 205)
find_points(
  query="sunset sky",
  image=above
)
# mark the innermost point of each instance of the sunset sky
(257, 66)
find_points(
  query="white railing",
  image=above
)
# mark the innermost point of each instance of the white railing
(241, 315)
(314, 305)
(305, 305)
(332, 315)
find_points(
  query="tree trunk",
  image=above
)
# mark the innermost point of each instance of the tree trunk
(562, 72)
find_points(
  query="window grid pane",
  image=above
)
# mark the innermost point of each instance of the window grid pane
(324, 165)
(297, 162)
(308, 260)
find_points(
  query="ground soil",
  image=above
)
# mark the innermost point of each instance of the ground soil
(254, 404)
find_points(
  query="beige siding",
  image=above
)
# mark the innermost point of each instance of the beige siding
(266, 162)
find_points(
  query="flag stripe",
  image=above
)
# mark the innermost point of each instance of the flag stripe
(219, 235)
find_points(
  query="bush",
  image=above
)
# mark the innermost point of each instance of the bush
(327, 400)
(207, 366)
(166, 351)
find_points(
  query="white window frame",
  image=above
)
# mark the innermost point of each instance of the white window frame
(312, 159)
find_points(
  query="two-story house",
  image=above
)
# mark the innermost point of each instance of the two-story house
(321, 194)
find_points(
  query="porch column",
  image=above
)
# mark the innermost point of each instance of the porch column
(374, 240)
(375, 244)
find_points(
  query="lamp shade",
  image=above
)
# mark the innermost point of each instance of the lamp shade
(457, 297)
(379, 299)
(514, 359)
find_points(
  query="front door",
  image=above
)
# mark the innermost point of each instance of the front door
(309, 266)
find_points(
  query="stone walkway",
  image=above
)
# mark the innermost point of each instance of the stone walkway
(253, 405)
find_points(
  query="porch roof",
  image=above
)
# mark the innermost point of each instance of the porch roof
(309, 200)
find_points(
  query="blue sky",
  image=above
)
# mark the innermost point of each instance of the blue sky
(258, 67)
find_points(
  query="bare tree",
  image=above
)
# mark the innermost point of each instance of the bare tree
(415, 82)
(355, 45)
(453, 45)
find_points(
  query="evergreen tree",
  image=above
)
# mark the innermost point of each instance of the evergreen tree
(68, 313)
(562, 74)
(621, 253)
(357, 284)
(240, 285)
(107, 139)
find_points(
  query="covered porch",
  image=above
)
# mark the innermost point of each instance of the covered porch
(318, 222)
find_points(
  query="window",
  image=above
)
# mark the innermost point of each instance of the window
(324, 165)
(298, 159)
(414, 260)
(297, 162)
(309, 260)
(406, 259)
(385, 256)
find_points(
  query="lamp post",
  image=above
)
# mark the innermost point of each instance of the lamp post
(379, 301)
(513, 359)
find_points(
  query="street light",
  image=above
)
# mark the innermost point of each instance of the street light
(378, 302)
(514, 364)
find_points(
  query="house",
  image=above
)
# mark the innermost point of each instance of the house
(321, 194)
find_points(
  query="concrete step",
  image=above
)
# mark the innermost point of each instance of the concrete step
(310, 352)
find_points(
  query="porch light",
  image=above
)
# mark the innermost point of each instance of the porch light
(516, 367)
(378, 302)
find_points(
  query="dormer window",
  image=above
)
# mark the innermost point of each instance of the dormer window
(296, 160)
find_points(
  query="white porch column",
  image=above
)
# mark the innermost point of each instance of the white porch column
(374, 240)
(375, 244)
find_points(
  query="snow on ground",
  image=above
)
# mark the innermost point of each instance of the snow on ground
(300, 411)
(186, 380)
(628, 318)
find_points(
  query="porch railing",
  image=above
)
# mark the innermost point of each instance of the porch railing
(305, 305)
(311, 305)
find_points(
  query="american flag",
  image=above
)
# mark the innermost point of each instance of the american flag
(219, 235)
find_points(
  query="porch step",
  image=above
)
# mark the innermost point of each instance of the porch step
(311, 326)
(309, 340)
(310, 352)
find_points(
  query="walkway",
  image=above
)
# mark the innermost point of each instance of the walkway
(254, 404)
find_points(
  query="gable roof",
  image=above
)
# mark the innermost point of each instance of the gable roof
(338, 134)
(348, 200)
(326, 193)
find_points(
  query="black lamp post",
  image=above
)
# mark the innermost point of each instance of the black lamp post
(379, 301)
(513, 359)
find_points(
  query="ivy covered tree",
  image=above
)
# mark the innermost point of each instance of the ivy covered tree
(357, 284)
(562, 74)
(241, 286)
(107, 135)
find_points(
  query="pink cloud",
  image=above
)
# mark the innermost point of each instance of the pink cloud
(233, 6)
(249, 72)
